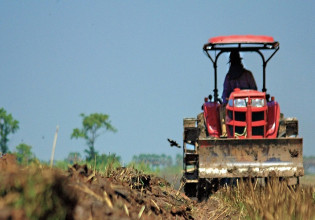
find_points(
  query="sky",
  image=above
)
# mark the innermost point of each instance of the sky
(141, 62)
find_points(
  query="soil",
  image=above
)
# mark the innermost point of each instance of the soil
(38, 192)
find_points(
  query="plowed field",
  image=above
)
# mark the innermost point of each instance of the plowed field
(38, 192)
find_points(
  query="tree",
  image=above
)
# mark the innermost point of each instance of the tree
(8, 125)
(73, 157)
(91, 129)
(24, 153)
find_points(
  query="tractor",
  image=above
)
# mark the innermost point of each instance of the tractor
(259, 142)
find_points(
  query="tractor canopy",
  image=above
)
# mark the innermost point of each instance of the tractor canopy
(263, 41)
(242, 43)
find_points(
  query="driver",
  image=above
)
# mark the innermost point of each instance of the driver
(237, 77)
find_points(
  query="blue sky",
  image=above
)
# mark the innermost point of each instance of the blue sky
(142, 63)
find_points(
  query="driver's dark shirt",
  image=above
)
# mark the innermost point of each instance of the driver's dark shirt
(245, 81)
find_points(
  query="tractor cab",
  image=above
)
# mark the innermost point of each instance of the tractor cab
(249, 113)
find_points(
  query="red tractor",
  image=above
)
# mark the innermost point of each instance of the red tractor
(260, 142)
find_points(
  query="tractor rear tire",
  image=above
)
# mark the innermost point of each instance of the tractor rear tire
(190, 189)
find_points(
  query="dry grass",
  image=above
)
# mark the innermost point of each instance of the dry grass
(308, 180)
(274, 201)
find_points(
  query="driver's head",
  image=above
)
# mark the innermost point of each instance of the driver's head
(235, 57)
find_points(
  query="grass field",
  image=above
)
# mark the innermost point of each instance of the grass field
(308, 179)
(90, 192)
(274, 201)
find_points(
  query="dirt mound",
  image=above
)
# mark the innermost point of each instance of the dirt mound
(80, 193)
(35, 193)
(38, 192)
(127, 194)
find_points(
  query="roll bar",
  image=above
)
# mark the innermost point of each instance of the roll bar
(241, 43)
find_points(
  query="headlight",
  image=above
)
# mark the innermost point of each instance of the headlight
(258, 102)
(240, 102)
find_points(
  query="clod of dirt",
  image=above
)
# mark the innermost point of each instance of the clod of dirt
(8, 163)
(81, 172)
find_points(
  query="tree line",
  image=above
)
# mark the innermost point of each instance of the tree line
(158, 160)
(92, 127)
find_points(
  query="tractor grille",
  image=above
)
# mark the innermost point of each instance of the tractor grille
(258, 116)
(241, 125)
(258, 131)
(239, 116)
(240, 130)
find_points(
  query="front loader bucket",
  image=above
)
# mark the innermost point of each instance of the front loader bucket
(231, 158)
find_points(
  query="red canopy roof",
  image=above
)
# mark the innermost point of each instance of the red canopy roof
(234, 39)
